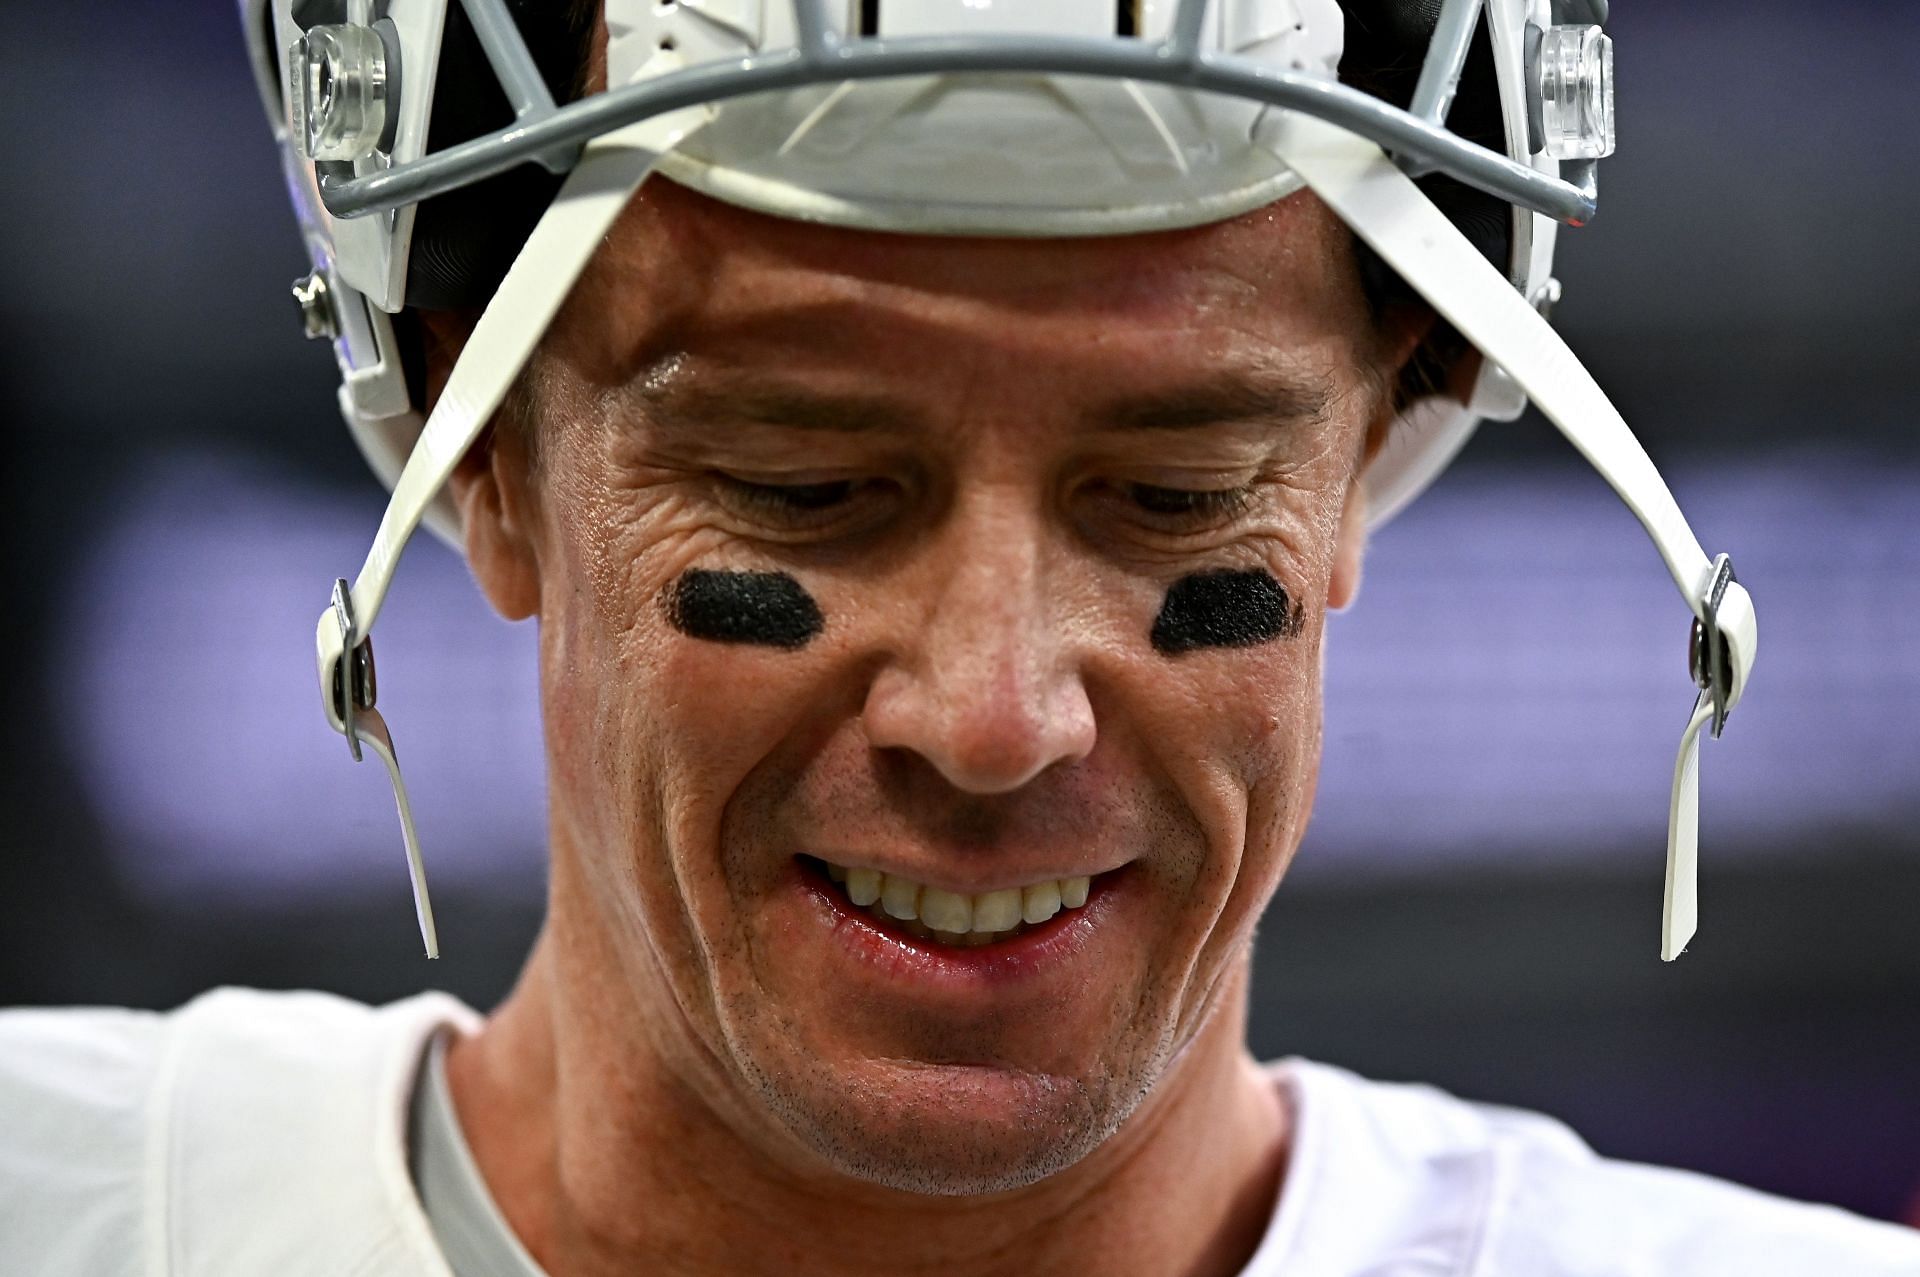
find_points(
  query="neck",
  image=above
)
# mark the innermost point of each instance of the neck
(607, 1154)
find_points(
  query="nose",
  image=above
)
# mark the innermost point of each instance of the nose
(986, 686)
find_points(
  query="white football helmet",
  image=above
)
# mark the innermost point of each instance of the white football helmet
(434, 159)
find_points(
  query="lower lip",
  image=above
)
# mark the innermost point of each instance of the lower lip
(1037, 949)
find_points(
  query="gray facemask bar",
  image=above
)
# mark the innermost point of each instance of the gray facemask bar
(1337, 145)
(551, 135)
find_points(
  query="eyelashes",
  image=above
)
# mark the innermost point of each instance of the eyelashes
(785, 498)
(817, 511)
(1190, 503)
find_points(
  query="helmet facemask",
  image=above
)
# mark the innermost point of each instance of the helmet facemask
(1038, 118)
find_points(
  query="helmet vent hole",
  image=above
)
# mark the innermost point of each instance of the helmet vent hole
(1126, 19)
(869, 19)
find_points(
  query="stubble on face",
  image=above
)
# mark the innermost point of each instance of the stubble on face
(686, 772)
(928, 1099)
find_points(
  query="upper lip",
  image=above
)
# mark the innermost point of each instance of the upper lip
(943, 878)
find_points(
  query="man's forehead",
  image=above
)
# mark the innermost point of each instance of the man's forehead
(680, 265)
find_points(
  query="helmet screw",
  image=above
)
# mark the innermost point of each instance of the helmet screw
(1546, 297)
(316, 306)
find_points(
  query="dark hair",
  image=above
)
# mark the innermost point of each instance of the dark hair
(1386, 43)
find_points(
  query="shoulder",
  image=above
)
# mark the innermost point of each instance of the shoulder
(121, 1130)
(72, 1088)
(99, 1066)
(1502, 1190)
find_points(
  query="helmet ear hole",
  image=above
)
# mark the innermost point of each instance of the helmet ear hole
(1385, 47)
(464, 241)
(410, 342)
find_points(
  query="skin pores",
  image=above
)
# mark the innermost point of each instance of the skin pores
(977, 460)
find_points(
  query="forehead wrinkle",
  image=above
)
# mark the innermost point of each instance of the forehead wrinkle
(769, 301)
(680, 265)
(694, 385)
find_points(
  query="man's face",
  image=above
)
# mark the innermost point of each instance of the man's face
(879, 553)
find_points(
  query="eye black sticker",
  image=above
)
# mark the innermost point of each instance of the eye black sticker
(1227, 607)
(768, 608)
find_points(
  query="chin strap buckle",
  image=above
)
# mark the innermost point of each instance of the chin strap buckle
(1720, 652)
(351, 684)
(347, 684)
(611, 168)
(1711, 662)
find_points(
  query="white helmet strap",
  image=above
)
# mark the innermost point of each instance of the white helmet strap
(610, 170)
(1351, 174)
(1383, 207)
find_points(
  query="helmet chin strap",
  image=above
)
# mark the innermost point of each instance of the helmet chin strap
(1351, 174)
(610, 170)
(1382, 205)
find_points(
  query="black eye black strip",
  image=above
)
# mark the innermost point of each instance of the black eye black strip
(1226, 607)
(768, 608)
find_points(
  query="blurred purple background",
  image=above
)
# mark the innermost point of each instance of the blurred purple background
(1508, 697)
(1478, 900)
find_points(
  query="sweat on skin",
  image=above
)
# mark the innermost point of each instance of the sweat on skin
(979, 460)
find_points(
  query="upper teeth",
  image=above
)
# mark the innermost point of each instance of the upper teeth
(956, 914)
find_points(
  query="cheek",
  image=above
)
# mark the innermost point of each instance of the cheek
(1238, 661)
(664, 682)
(1282, 722)
(658, 712)
(676, 696)
(741, 669)
(1237, 646)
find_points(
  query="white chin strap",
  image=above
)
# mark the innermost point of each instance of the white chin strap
(1352, 175)
(1385, 209)
(609, 171)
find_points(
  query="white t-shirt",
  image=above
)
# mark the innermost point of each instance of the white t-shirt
(266, 1133)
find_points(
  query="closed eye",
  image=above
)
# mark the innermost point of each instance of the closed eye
(1188, 504)
(819, 509)
(791, 498)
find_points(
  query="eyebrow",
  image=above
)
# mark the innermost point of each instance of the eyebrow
(772, 405)
(1267, 396)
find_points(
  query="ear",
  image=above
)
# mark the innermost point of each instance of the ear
(491, 486)
(1349, 548)
(1400, 334)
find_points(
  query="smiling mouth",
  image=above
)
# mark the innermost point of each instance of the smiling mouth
(929, 914)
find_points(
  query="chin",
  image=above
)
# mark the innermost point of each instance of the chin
(946, 1130)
